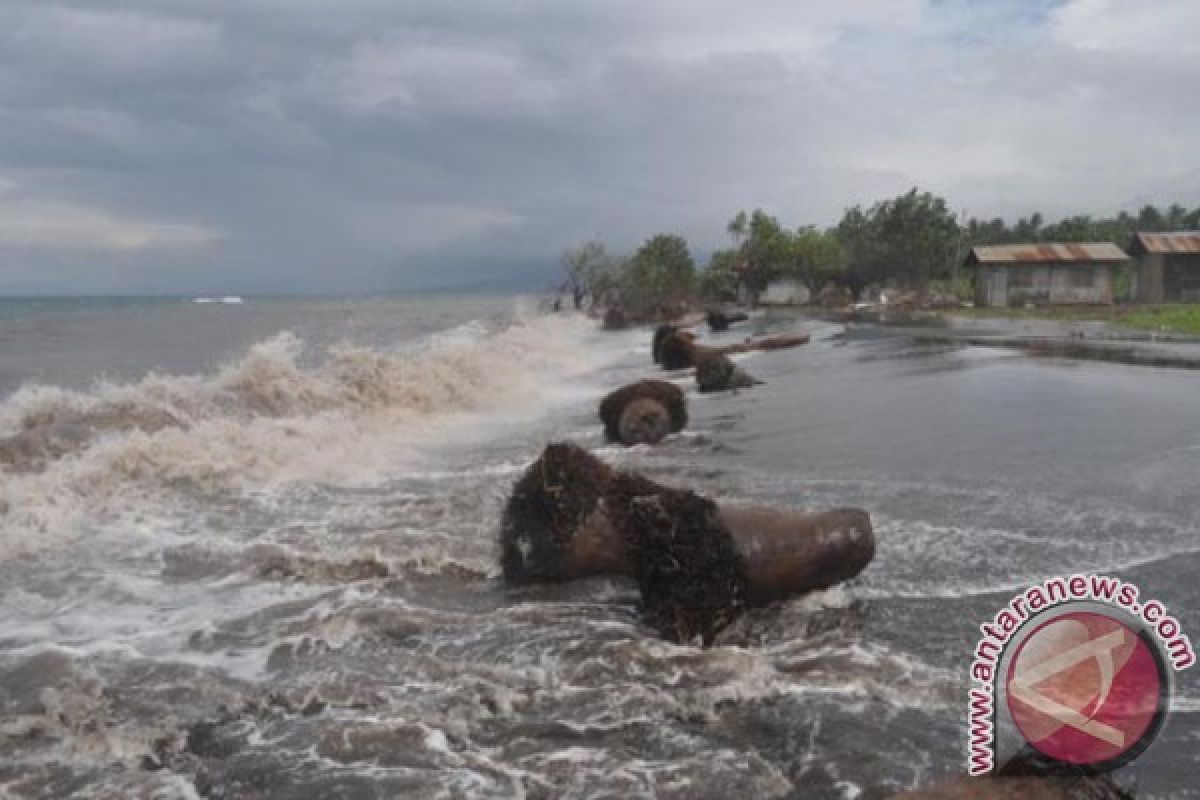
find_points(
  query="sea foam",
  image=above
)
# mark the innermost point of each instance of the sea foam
(273, 416)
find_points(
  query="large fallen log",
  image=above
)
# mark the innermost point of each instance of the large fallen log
(679, 350)
(698, 565)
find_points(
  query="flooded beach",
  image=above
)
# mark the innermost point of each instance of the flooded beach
(271, 571)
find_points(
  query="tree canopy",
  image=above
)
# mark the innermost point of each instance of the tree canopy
(907, 241)
(662, 270)
(590, 271)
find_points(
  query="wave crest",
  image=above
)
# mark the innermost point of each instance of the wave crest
(271, 416)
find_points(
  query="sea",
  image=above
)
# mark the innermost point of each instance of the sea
(248, 550)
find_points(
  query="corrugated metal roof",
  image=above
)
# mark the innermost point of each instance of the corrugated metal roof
(1025, 253)
(1173, 242)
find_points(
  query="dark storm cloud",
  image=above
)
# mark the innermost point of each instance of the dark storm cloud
(261, 145)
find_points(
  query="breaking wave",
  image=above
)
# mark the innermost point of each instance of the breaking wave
(273, 416)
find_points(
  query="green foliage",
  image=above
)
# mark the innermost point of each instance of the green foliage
(816, 258)
(591, 271)
(907, 240)
(738, 227)
(1174, 318)
(911, 241)
(961, 288)
(769, 248)
(661, 271)
(1081, 228)
(764, 247)
(1123, 285)
(718, 282)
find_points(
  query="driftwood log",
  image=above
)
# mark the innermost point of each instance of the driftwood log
(698, 565)
(679, 350)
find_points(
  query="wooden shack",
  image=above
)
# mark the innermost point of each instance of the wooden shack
(1167, 268)
(1045, 274)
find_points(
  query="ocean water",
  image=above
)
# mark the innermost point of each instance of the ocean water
(247, 550)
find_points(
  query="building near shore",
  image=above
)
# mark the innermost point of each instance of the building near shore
(1046, 274)
(1167, 268)
(778, 292)
(785, 292)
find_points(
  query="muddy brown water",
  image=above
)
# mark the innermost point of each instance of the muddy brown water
(292, 593)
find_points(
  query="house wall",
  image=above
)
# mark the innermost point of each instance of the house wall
(784, 293)
(991, 287)
(1042, 284)
(1149, 271)
(1066, 290)
(1181, 278)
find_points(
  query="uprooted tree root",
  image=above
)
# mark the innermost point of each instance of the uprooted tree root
(667, 394)
(692, 577)
(549, 504)
(660, 334)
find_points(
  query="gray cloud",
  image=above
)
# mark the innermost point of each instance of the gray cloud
(261, 145)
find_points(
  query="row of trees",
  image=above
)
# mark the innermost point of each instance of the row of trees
(660, 273)
(910, 241)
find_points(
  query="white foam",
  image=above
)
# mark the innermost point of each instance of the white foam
(268, 419)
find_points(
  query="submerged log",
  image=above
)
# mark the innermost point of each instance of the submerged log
(716, 373)
(679, 350)
(643, 412)
(660, 334)
(720, 320)
(698, 565)
(770, 343)
(788, 551)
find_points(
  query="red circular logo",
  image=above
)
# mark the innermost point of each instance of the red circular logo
(1085, 688)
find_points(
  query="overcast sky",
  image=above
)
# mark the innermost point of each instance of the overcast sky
(359, 145)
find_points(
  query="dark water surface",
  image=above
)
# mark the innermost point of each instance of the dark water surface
(276, 578)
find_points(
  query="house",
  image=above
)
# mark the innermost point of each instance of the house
(778, 292)
(785, 292)
(1045, 274)
(1167, 268)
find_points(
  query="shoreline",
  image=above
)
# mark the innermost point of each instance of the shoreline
(1085, 339)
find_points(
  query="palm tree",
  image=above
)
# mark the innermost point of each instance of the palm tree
(738, 227)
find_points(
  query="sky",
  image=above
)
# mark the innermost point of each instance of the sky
(242, 146)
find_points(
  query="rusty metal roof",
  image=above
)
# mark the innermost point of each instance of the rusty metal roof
(1002, 254)
(1173, 242)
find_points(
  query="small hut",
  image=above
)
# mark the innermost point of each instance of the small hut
(1167, 268)
(1046, 274)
